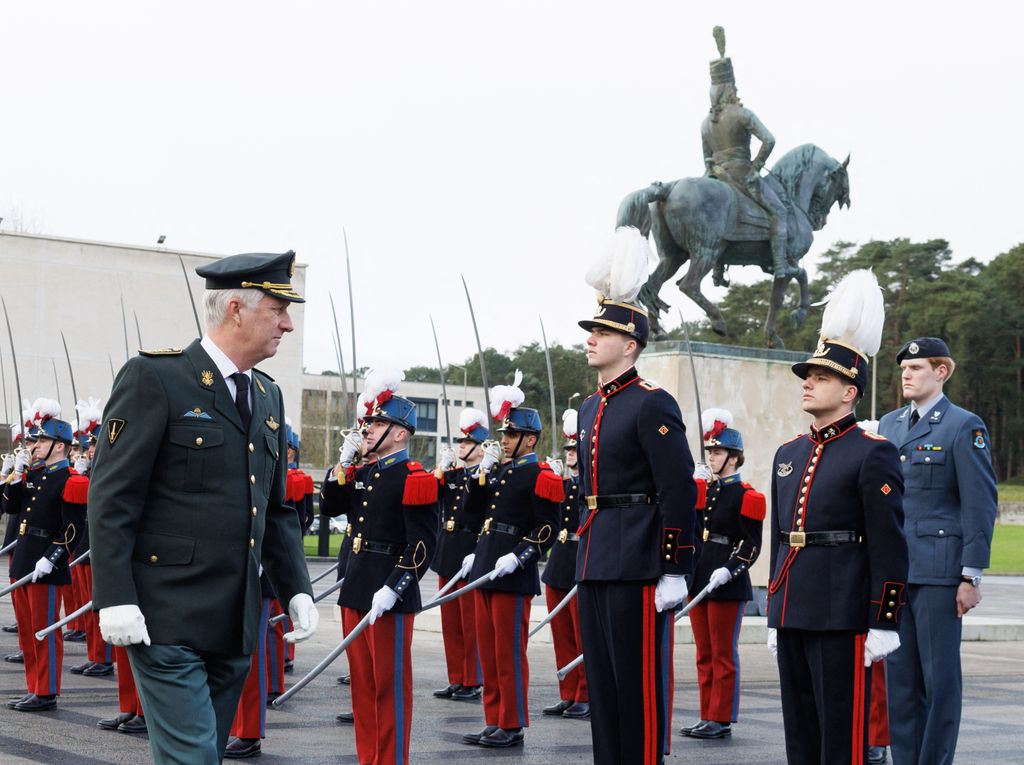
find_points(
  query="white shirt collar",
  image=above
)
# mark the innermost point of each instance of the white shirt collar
(927, 406)
(224, 365)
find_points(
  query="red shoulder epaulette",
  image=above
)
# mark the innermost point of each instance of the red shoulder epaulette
(307, 482)
(76, 490)
(702, 494)
(420, 486)
(754, 505)
(295, 486)
(549, 486)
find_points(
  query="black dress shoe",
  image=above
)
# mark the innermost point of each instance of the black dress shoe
(345, 679)
(12, 703)
(502, 738)
(289, 666)
(580, 710)
(877, 755)
(447, 691)
(80, 668)
(556, 710)
(12, 628)
(15, 658)
(467, 693)
(113, 723)
(345, 717)
(75, 636)
(240, 748)
(98, 669)
(474, 738)
(712, 730)
(689, 729)
(270, 699)
(36, 703)
(135, 725)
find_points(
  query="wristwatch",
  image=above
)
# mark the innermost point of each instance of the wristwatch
(974, 581)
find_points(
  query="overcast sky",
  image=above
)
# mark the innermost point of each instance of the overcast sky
(492, 139)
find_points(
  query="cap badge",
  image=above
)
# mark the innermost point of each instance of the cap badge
(914, 348)
(821, 350)
(206, 377)
(784, 469)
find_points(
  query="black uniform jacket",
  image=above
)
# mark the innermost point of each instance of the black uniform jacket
(837, 479)
(560, 570)
(459, 528)
(392, 512)
(733, 514)
(184, 505)
(51, 514)
(333, 504)
(632, 450)
(519, 508)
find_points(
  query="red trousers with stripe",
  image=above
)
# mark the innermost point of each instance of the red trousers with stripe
(127, 696)
(251, 714)
(96, 647)
(71, 602)
(37, 606)
(277, 649)
(565, 634)
(825, 696)
(458, 628)
(502, 624)
(380, 662)
(716, 633)
(878, 719)
(81, 594)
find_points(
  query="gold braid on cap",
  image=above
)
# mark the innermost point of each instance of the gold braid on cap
(284, 290)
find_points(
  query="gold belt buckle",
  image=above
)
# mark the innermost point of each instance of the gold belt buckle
(357, 545)
(487, 526)
(706, 535)
(348, 530)
(563, 535)
(450, 526)
(798, 539)
(592, 502)
(22, 528)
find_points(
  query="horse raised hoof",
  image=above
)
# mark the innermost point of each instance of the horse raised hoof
(774, 341)
(719, 326)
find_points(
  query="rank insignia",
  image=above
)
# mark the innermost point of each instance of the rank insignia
(259, 384)
(886, 489)
(979, 439)
(206, 378)
(784, 469)
(271, 424)
(936, 415)
(663, 430)
(115, 427)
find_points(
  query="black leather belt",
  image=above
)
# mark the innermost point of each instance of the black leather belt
(566, 536)
(805, 538)
(451, 527)
(505, 528)
(596, 501)
(360, 545)
(35, 531)
(719, 539)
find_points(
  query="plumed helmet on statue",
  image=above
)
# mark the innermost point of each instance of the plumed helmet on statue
(851, 329)
(47, 418)
(618, 274)
(382, 405)
(717, 430)
(506, 408)
(473, 424)
(90, 416)
(570, 427)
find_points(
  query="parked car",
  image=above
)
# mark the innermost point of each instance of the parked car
(337, 525)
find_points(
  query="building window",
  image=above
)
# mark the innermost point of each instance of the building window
(426, 414)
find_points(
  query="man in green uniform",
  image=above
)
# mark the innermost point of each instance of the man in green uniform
(186, 505)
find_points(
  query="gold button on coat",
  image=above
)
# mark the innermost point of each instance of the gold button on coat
(252, 543)
(199, 440)
(153, 559)
(251, 448)
(252, 479)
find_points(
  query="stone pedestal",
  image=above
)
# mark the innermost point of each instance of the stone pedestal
(756, 385)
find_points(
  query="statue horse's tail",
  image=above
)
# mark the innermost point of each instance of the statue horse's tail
(634, 209)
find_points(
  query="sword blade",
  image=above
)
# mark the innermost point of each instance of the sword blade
(41, 635)
(71, 371)
(554, 611)
(325, 573)
(696, 391)
(693, 601)
(444, 387)
(437, 601)
(479, 348)
(551, 390)
(14, 358)
(191, 297)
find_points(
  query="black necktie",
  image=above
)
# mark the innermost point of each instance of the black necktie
(914, 417)
(242, 398)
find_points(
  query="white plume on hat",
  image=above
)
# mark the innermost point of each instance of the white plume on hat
(28, 412)
(89, 414)
(621, 268)
(45, 409)
(505, 397)
(17, 431)
(570, 423)
(470, 418)
(855, 312)
(379, 387)
(361, 410)
(714, 421)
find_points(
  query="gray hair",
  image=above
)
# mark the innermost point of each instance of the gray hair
(215, 303)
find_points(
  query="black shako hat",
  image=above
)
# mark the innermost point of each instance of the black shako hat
(265, 271)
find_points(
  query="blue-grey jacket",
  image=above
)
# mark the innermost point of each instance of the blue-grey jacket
(949, 501)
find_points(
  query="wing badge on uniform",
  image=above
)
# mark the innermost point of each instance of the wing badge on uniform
(785, 468)
(115, 426)
(197, 413)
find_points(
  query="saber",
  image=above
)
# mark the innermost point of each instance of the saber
(325, 573)
(56, 379)
(191, 297)
(444, 387)
(111, 362)
(3, 377)
(324, 662)
(124, 325)
(448, 587)
(14, 358)
(138, 332)
(341, 364)
(351, 306)
(71, 371)
(317, 599)
(8, 548)
(554, 611)
(41, 635)
(696, 392)
(79, 559)
(28, 577)
(551, 389)
(439, 601)
(479, 349)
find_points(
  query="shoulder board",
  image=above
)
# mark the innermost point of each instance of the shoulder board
(260, 371)
(794, 438)
(161, 352)
(754, 505)
(76, 490)
(420, 487)
(873, 436)
(648, 385)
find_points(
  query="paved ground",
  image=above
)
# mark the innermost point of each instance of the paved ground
(304, 731)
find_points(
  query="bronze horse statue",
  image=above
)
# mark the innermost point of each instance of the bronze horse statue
(711, 224)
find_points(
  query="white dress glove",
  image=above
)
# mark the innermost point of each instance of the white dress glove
(447, 459)
(719, 577)
(349, 449)
(879, 644)
(8, 465)
(123, 625)
(703, 472)
(467, 565)
(505, 565)
(773, 641)
(21, 463)
(556, 465)
(305, 617)
(81, 465)
(492, 453)
(384, 599)
(669, 592)
(43, 567)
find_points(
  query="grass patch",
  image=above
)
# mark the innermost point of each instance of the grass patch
(311, 544)
(1007, 550)
(1012, 490)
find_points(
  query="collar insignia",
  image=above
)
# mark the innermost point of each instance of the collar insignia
(936, 415)
(206, 377)
(785, 468)
(271, 424)
(259, 385)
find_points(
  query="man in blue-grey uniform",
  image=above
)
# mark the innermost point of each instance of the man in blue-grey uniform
(950, 509)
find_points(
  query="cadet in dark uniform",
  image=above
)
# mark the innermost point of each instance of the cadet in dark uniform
(838, 556)
(559, 578)
(519, 508)
(394, 535)
(950, 508)
(732, 516)
(188, 501)
(457, 540)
